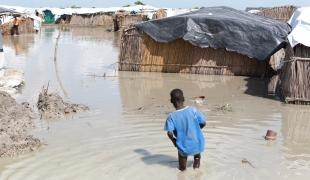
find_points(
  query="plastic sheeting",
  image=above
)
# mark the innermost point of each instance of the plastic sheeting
(222, 27)
(6, 11)
(300, 22)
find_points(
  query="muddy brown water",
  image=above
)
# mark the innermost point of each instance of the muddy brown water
(122, 136)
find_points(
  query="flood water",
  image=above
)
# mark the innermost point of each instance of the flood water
(122, 136)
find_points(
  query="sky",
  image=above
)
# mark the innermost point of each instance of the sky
(238, 4)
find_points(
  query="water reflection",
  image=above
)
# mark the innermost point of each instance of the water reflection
(296, 132)
(20, 44)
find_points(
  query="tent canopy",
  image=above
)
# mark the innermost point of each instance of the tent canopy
(7, 11)
(222, 27)
(300, 22)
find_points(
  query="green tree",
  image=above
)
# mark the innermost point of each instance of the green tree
(75, 7)
(139, 3)
(128, 5)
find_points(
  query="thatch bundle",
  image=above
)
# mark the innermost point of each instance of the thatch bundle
(25, 26)
(295, 77)
(282, 13)
(141, 53)
(97, 19)
(161, 13)
(124, 20)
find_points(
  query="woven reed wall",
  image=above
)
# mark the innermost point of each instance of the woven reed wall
(141, 53)
(122, 21)
(159, 14)
(25, 26)
(282, 13)
(295, 77)
(98, 19)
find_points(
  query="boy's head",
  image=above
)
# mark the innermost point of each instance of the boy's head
(177, 97)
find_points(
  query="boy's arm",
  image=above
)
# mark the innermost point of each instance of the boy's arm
(200, 118)
(172, 138)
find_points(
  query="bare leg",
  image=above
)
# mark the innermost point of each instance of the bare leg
(196, 164)
(182, 162)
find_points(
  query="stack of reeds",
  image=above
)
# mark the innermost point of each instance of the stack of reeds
(139, 52)
(97, 19)
(25, 26)
(282, 13)
(295, 76)
(159, 14)
(124, 20)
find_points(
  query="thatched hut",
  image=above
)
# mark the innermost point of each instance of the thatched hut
(125, 19)
(93, 19)
(281, 13)
(161, 13)
(26, 26)
(295, 75)
(217, 41)
(64, 19)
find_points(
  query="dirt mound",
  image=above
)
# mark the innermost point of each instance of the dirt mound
(52, 106)
(15, 122)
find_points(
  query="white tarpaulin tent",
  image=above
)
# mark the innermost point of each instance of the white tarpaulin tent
(300, 22)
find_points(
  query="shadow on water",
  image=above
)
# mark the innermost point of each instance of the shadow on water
(160, 159)
(259, 87)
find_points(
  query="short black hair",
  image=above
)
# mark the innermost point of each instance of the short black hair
(177, 96)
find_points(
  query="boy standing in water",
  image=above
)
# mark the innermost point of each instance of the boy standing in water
(183, 128)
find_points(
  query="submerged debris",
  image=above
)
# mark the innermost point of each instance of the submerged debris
(224, 108)
(245, 161)
(270, 135)
(52, 106)
(15, 122)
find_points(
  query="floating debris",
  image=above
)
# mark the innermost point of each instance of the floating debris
(224, 108)
(245, 161)
(200, 100)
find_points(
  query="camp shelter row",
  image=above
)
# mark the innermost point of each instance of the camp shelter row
(220, 41)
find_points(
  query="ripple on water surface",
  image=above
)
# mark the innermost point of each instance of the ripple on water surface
(122, 136)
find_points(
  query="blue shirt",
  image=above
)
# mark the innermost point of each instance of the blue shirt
(185, 124)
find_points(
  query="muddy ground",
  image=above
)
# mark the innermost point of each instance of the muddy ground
(16, 120)
(52, 106)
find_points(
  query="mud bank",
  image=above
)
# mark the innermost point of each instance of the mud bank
(15, 122)
(52, 106)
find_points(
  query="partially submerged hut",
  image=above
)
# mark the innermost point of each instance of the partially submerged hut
(26, 25)
(281, 13)
(218, 40)
(295, 77)
(123, 19)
